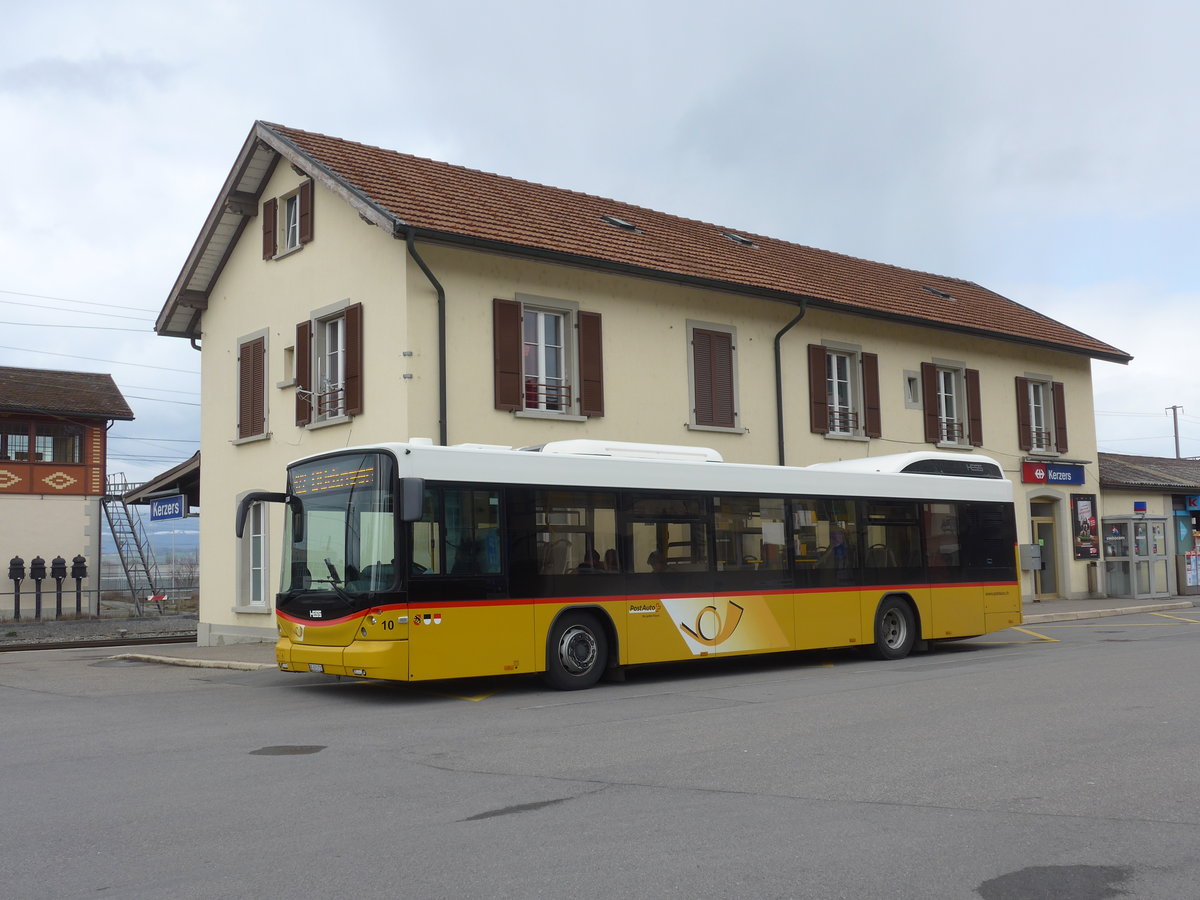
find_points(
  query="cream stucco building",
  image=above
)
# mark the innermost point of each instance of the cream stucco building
(342, 294)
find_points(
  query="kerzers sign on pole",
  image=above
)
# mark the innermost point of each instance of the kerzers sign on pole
(1051, 473)
(168, 508)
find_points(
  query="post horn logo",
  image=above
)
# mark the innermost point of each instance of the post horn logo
(710, 629)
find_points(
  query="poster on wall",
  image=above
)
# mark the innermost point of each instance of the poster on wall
(1083, 526)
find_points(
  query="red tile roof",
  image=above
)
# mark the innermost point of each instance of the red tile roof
(464, 206)
(51, 392)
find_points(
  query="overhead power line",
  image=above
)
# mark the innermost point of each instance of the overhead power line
(115, 362)
(78, 312)
(81, 302)
(89, 327)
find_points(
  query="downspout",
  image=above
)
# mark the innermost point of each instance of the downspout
(779, 375)
(441, 306)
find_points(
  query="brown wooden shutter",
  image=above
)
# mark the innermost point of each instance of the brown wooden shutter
(974, 408)
(506, 354)
(269, 219)
(818, 389)
(1060, 416)
(929, 395)
(1024, 423)
(712, 366)
(354, 359)
(873, 425)
(252, 387)
(303, 359)
(306, 211)
(591, 365)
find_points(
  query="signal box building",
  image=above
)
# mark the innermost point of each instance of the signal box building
(53, 459)
(344, 294)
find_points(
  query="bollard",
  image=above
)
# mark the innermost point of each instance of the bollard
(79, 572)
(58, 571)
(16, 572)
(37, 571)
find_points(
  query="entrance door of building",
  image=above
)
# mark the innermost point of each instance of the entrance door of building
(1045, 581)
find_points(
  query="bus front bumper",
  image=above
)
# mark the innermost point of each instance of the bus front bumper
(360, 659)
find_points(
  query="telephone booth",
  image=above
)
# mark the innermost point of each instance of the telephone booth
(1136, 557)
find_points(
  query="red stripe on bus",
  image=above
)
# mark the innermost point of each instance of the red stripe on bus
(623, 598)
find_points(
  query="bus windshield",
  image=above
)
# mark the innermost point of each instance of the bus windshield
(340, 536)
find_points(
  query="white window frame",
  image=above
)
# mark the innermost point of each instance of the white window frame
(288, 223)
(253, 581)
(951, 403)
(567, 312)
(731, 330)
(844, 395)
(1040, 403)
(329, 407)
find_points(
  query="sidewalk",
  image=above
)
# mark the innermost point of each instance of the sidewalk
(262, 656)
(1066, 610)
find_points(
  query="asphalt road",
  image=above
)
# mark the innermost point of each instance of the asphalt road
(1054, 761)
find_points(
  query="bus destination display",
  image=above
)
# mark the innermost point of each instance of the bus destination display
(336, 475)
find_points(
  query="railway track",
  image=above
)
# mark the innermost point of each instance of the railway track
(101, 643)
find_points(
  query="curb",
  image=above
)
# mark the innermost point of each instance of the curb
(1101, 613)
(194, 663)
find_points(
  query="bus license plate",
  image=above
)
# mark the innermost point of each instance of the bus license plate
(316, 667)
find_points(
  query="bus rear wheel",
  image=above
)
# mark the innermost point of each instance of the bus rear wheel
(576, 652)
(895, 629)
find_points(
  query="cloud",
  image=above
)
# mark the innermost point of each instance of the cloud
(106, 77)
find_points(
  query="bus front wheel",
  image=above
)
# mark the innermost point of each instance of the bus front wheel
(895, 629)
(576, 652)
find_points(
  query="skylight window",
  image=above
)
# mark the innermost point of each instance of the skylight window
(738, 239)
(621, 223)
(938, 293)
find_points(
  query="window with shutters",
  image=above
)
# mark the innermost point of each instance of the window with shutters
(328, 365)
(712, 370)
(252, 387)
(953, 407)
(287, 221)
(548, 358)
(843, 391)
(1041, 415)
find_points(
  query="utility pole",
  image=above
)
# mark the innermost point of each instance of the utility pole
(1176, 410)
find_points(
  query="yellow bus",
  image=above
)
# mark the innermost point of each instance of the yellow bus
(410, 561)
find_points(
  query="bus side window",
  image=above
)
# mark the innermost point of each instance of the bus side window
(825, 541)
(942, 543)
(576, 532)
(749, 533)
(459, 534)
(472, 532)
(668, 533)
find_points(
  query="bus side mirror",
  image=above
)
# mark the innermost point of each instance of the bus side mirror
(243, 509)
(412, 499)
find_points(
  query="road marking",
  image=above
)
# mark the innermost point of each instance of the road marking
(1108, 623)
(1040, 637)
(1178, 618)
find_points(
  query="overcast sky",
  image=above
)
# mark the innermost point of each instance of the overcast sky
(1045, 150)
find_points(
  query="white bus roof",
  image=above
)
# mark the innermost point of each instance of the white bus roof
(881, 476)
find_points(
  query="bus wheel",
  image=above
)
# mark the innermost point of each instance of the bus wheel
(895, 630)
(576, 653)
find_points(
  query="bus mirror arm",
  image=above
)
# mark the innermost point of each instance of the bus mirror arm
(256, 497)
(412, 499)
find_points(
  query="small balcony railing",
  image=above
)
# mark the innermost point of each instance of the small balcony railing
(548, 396)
